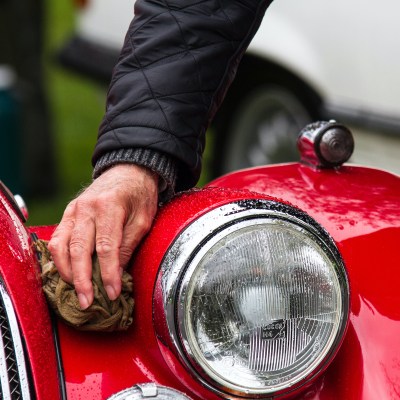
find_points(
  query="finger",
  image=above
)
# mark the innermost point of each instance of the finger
(81, 248)
(109, 228)
(134, 231)
(59, 244)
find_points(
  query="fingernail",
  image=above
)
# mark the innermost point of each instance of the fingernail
(83, 301)
(111, 293)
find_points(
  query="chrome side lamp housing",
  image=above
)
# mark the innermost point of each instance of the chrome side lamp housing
(255, 299)
(149, 391)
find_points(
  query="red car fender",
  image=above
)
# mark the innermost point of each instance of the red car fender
(21, 276)
(359, 207)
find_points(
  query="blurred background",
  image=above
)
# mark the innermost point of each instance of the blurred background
(309, 61)
(57, 111)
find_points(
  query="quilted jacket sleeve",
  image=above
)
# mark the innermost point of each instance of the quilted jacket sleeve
(177, 62)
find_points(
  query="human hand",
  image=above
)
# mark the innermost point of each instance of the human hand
(110, 216)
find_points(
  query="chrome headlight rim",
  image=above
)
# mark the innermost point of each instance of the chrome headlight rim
(197, 238)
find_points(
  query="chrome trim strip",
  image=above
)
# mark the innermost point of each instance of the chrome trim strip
(5, 388)
(18, 347)
(60, 368)
(368, 119)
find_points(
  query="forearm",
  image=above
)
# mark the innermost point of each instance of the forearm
(175, 67)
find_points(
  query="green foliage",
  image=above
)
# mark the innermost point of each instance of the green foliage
(76, 106)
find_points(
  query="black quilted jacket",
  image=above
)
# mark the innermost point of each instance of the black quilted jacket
(178, 59)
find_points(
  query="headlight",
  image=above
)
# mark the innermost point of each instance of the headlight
(255, 297)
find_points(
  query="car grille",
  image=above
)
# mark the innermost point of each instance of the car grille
(13, 374)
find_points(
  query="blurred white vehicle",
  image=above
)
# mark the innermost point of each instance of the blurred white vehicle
(311, 59)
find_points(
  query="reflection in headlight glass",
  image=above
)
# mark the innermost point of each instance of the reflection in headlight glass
(262, 307)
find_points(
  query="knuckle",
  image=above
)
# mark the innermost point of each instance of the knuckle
(104, 247)
(77, 250)
(58, 249)
(143, 224)
(70, 209)
(89, 202)
(83, 204)
(54, 245)
(62, 231)
(103, 201)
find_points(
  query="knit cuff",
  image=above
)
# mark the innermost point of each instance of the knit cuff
(160, 163)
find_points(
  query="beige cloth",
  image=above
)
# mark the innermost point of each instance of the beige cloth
(103, 315)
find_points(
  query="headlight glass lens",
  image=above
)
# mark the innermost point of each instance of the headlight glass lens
(256, 298)
(261, 306)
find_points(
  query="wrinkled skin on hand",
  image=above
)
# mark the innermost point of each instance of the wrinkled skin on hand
(111, 216)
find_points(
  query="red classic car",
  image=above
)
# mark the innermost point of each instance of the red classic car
(271, 282)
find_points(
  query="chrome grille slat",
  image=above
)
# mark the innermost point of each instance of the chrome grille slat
(13, 374)
(4, 387)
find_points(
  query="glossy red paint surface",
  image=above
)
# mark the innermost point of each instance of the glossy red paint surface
(20, 273)
(359, 207)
